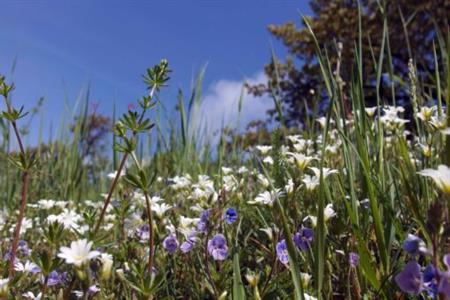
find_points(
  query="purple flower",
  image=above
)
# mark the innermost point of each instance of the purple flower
(444, 280)
(186, 246)
(353, 259)
(231, 215)
(23, 248)
(93, 289)
(7, 256)
(444, 286)
(170, 243)
(35, 270)
(304, 238)
(55, 279)
(410, 279)
(429, 280)
(205, 215)
(143, 233)
(282, 252)
(446, 260)
(189, 244)
(202, 225)
(217, 247)
(414, 245)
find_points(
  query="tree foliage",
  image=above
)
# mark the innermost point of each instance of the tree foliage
(414, 25)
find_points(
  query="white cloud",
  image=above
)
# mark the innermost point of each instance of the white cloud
(220, 105)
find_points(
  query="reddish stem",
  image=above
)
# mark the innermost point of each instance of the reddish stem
(111, 190)
(151, 238)
(23, 205)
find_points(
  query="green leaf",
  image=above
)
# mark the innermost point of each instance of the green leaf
(238, 286)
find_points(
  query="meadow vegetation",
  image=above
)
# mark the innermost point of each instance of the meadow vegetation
(354, 204)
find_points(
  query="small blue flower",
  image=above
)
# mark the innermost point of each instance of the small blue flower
(217, 247)
(170, 243)
(202, 225)
(414, 245)
(23, 248)
(429, 273)
(189, 244)
(205, 215)
(410, 279)
(93, 289)
(186, 246)
(444, 281)
(231, 215)
(429, 280)
(282, 252)
(353, 259)
(143, 233)
(304, 238)
(56, 279)
(444, 285)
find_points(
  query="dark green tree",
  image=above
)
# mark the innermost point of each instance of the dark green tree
(414, 25)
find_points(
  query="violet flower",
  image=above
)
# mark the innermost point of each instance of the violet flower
(56, 279)
(353, 259)
(170, 243)
(304, 238)
(414, 245)
(143, 233)
(282, 252)
(443, 286)
(202, 225)
(217, 247)
(410, 279)
(231, 215)
(189, 244)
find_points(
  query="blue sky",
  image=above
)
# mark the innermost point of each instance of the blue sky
(62, 47)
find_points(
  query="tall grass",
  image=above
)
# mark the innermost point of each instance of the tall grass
(367, 199)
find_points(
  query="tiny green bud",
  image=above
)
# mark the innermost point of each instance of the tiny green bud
(252, 279)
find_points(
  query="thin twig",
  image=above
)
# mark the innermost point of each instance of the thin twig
(111, 190)
(23, 202)
(151, 238)
(23, 205)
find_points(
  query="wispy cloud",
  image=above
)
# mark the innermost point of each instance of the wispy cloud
(220, 105)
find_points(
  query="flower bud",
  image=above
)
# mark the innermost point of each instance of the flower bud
(223, 296)
(107, 262)
(252, 279)
(4, 288)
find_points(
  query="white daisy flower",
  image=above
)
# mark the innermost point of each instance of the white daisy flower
(30, 295)
(263, 149)
(27, 267)
(441, 177)
(160, 208)
(78, 253)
